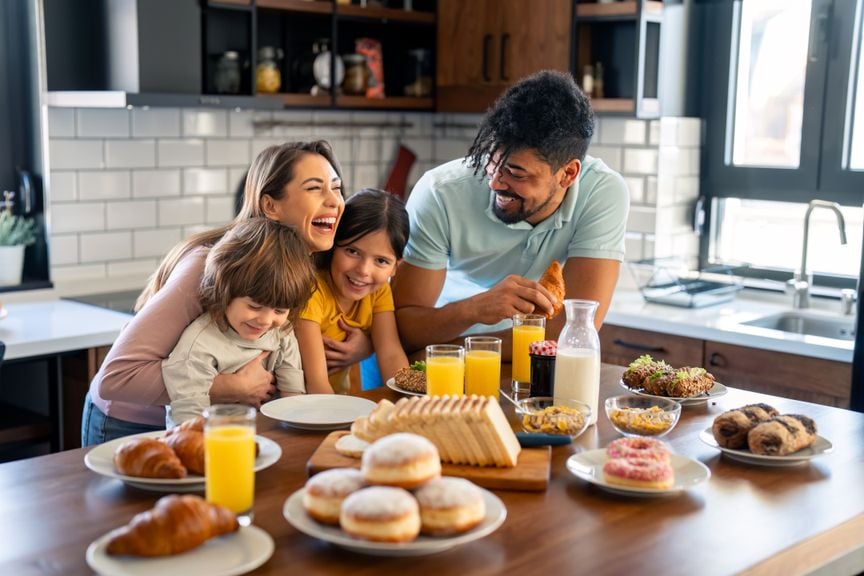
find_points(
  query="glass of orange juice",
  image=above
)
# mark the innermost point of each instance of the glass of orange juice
(482, 365)
(445, 370)
(229, 458)
(527, 328)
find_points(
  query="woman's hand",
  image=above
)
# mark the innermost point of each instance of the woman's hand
(356, 347)
(252, 384)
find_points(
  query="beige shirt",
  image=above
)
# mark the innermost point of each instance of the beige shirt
(205, 351)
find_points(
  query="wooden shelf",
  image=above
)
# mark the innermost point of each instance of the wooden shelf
(229, 3)
(620, 105)
(297, 6)
(384, 14)
(390, 102)
(617, 9)
(319, 101)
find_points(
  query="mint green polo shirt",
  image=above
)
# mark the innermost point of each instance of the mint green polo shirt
(453, 226)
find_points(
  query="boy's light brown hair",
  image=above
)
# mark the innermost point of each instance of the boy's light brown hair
(262, 260)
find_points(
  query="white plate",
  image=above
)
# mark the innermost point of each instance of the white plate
(101, 460)
(227, 555)
(297, 517)
(589, 467)
(716, 391)
(391, 383)
(820, 446)
(318, 411)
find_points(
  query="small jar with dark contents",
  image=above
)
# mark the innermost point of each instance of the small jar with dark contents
(543, 367)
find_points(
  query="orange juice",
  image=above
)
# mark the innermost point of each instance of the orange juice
(522, 338)
(229, 466)
(482, 372)
(445, 375)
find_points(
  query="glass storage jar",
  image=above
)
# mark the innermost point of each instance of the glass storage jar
(227, 77)
(418, 73)
(268, 77)
(356, 74)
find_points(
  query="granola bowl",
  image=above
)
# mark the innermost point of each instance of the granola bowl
(546, 415)
(642, 416)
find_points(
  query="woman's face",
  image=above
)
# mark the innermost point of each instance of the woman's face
(312, 202)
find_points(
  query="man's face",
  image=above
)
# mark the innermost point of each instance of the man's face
(525, 187)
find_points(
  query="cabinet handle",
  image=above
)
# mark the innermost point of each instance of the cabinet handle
(487, 45)
(717, 359)
(505, 40)
(635, 346)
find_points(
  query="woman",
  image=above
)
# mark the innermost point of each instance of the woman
(297, 184)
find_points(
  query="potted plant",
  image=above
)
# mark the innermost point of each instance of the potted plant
(16, 232)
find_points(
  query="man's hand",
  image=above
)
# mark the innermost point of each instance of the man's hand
(340, 355)
(513, 295)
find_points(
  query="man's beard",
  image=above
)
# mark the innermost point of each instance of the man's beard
(519, 215)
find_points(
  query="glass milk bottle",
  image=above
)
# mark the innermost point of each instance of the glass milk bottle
(577, 365)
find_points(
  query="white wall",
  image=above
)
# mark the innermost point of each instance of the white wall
(126, 185)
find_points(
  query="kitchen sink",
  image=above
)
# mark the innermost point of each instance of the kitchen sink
(808, 323)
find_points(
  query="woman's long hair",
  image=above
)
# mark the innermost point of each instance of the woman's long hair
(270, 172)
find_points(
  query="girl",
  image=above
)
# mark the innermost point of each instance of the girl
(256, 280)
(353, 287)
(297, 183)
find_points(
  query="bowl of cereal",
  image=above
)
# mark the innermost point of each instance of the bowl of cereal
(547, 415)
(642, 416)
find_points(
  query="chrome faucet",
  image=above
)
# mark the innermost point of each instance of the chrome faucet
(799, 286)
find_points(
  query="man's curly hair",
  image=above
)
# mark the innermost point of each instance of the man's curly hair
(545, 112)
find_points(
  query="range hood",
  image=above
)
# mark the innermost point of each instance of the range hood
(121, 53)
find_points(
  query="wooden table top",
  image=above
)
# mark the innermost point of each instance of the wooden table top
(746, 518)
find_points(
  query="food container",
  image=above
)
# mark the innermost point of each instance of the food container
(542, 354)
(671, 281)
(637, 416)
(547, 415)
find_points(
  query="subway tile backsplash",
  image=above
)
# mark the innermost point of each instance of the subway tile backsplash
(127, 185)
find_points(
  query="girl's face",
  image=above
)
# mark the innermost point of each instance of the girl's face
(251, 320)
(312, 202)
(361, 266)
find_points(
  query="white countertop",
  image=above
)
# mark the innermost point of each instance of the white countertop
(44, 327)
(721, 323)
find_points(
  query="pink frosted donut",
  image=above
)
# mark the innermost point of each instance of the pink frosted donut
(639, 473)
(645, 448)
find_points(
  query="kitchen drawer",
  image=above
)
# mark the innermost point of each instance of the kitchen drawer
(788, 375)
(623, 345)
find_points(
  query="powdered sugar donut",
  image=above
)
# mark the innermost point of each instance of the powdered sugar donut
(450, 506)
(639, 473)
(326, 490)
(381, 514)
(404, 460)
(644, 448)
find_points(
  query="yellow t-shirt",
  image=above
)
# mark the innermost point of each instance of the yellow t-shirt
(323, 310)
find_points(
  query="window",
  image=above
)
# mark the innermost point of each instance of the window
(782, 129)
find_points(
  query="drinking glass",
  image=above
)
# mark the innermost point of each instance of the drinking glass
(445, 370)
(527, 328)
(482, 365)
(229, 458)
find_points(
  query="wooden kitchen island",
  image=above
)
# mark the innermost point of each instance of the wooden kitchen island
(745, 519)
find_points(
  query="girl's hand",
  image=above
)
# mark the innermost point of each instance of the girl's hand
(356, 347)
(252, 384)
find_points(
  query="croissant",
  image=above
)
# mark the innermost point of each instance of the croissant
(196, 424)
(175, 525)
(782, 435)
(189, 447)
(730, 428)
(553, 280)
(148, 458)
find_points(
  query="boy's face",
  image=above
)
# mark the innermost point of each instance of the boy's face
(251, 320)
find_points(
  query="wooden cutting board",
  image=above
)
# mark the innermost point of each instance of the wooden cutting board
(531, 472)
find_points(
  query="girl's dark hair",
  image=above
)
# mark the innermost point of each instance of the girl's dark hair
(367, 211)
(545, 112)
(259, 259)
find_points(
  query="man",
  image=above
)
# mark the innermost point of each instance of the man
(484, 228)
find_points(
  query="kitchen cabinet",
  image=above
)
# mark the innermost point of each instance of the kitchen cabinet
(624, 39)
(484, 46)
(789, 375)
